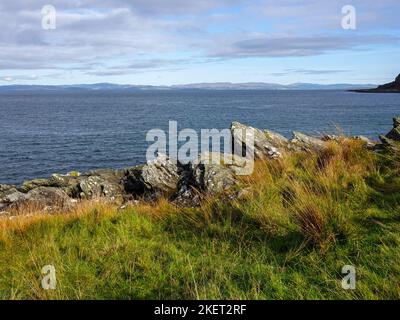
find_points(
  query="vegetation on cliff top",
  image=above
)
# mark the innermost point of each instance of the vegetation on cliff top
(298, 221)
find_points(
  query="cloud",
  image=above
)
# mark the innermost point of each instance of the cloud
(266, 46)
(307, 72)
(117, 37)
(18, 77)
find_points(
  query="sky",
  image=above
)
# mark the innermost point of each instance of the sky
(166, 42)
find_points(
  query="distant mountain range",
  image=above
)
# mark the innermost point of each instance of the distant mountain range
(194, 86)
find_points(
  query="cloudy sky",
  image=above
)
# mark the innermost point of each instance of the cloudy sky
(163, 42)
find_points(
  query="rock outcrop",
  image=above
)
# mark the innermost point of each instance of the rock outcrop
(394, 134)
(266, 143)
(48, 197)
(9, 195)
(304, 142)
(392, 139)
(210, 174)
(391, 87)
(185, 184)
(157, 177)
(105, 183)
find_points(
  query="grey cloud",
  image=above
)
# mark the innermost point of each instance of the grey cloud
(307, 72)
(298, 46)
(140, 66)
(18, 77)
(115, 37)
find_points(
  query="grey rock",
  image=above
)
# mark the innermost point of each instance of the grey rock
(69, 183)
(266, 144)
(276, 139)
(394, 134)
(388, 144)
(392, 139)
(396, 122)
(48, 197)
(32, 184)
(157, 177)
(104, 183)
(6, 187)
(9, 195)
(307, 143)
(205, 177)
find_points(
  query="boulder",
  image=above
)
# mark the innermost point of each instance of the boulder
(394, 134)
(266, 143)
(157, 177)
(48, 197)
(205, 177)
(307, 143)
(6, 187)
(104, 183)
(9, 195)
(396, 121)
(69, 183)
(392, 139)
(32, 184)
(388, 144)
(276, 139)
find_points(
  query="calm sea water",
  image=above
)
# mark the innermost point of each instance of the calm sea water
(43, 133)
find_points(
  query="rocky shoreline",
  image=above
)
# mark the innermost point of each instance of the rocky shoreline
(185, 185)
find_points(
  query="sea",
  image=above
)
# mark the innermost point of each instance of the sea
(46, 132)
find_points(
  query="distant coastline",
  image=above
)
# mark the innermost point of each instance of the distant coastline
(194, 86)
(391, 87)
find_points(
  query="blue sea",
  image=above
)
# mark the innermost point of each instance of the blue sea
(46, 132)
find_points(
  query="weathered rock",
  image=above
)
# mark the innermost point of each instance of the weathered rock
(69, 183)
(32, 184)
(394, 134)
(266, 144)
(206, 177)
(9, 195)
(307, 143)
(48, 197)
(276, 139)
(160, 176)
(392, 139)
(6, 187)
(102, 183)
(388, 144)
(396, 121)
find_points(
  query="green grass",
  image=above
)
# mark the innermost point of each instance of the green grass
(302, 220)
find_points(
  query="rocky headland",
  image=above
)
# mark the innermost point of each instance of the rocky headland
(185, 185)
(391, 87)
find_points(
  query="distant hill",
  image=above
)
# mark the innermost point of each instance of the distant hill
(391, 87)
(194, 86)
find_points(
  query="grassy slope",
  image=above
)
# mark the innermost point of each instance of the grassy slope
(300, 222)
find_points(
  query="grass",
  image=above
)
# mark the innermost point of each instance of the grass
(299, 222)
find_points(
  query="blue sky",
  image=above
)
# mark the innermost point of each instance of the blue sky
(164, 42)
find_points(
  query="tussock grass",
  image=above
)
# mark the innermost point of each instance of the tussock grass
(301, 219)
